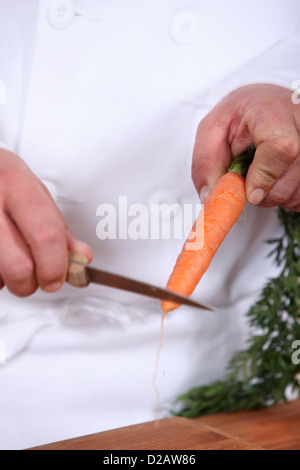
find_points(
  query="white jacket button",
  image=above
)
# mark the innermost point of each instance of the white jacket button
(184, 28)
(61, 13)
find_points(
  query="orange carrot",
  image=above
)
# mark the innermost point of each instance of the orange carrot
(222, 209)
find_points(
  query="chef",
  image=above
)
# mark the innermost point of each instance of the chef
(101, 103)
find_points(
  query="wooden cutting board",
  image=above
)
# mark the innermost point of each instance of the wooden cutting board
(167, 434)
(275, 428)
(271, 428)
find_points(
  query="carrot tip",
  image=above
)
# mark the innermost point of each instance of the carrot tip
(165, 311)
(169, 308)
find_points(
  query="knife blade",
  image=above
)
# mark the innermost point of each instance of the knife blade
(80, 274)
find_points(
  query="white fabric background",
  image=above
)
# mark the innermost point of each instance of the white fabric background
(109, 106)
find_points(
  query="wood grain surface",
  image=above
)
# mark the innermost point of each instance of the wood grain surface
(167, 434)
(275, 428)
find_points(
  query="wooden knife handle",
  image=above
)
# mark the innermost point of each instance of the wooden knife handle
(77, 274)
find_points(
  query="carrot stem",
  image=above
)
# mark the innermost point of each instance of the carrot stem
(242, 162)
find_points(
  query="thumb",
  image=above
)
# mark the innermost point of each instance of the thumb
(79, 247)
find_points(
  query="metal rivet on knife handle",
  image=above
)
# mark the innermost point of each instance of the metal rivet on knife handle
(77, 274)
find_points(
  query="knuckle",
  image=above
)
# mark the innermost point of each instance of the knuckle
(20, 272)
(265, 177)
(52, 271)
(47, 234)
(50, 274)
(287, 147)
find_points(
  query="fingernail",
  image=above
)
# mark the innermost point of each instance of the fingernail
(205, 190)
(79, 246)
(83, 244)
(257, 196)
(55, 286)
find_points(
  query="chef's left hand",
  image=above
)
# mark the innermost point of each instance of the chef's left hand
(267, 116)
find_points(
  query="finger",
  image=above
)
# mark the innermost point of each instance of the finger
(43, 229)
(285, 189)
(275, 152)
(16, 263)
(212, 154)
(292, 203)
(79, 247)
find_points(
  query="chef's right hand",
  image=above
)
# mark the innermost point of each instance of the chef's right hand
(34, 238)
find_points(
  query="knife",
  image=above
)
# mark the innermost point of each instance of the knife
(80, 274)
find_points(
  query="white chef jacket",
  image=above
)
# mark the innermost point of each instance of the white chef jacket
(102, 100)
